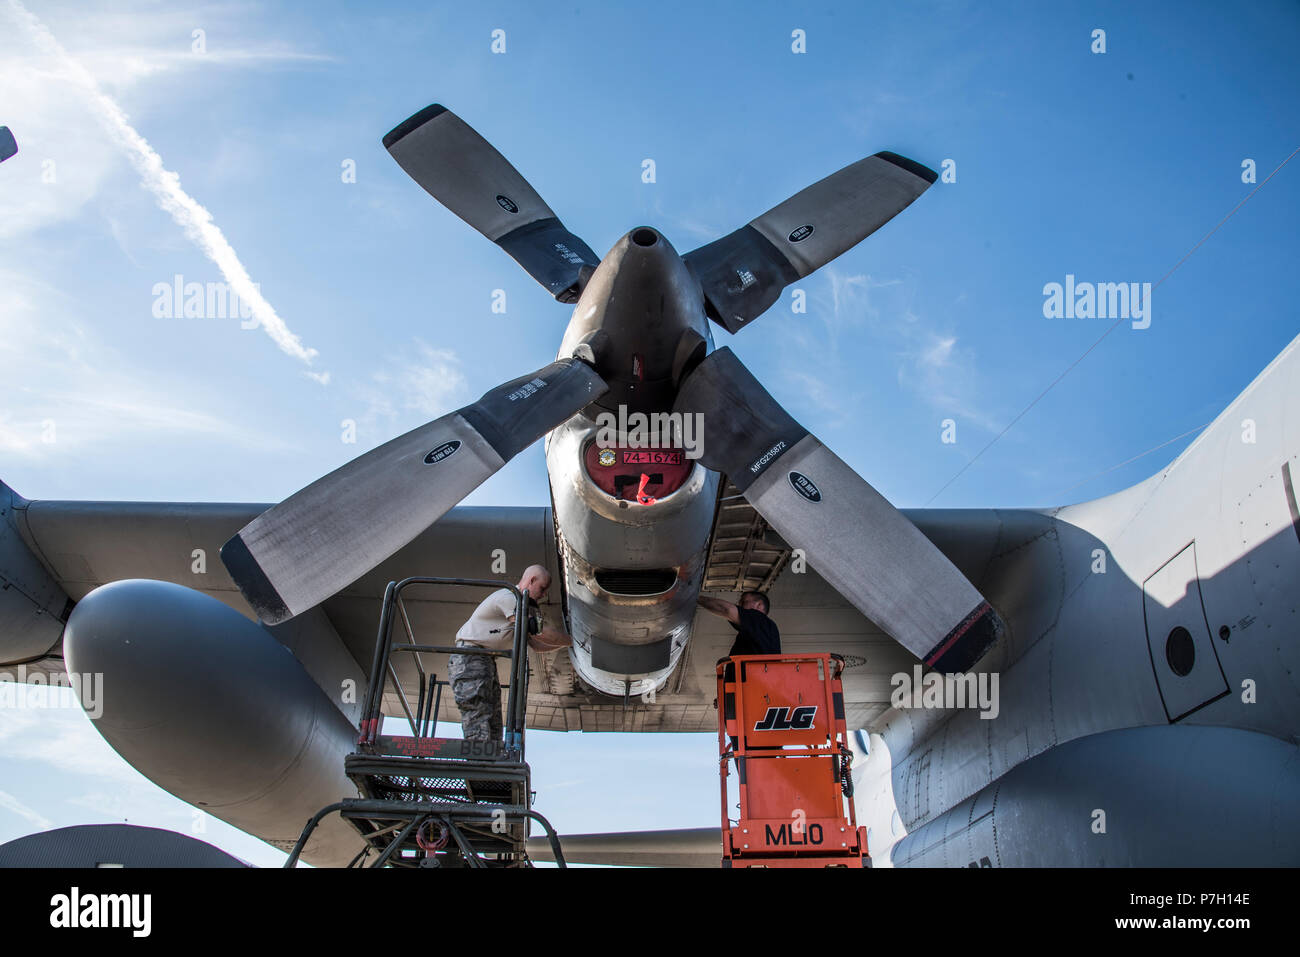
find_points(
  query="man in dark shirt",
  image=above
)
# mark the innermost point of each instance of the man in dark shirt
(756, 633)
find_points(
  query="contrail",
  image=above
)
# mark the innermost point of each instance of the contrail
(166, 187)
(10, 803)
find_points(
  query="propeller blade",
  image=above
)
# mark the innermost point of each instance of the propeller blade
(743, 273)
(321, 539)
(465, 173)
(864, 547)
(687, 847)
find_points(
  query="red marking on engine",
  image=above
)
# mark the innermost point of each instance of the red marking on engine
(641, 496)
(666, 469)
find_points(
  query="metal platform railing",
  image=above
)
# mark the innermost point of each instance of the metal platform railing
(429, 801)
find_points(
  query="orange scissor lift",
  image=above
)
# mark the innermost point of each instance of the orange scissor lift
(782, 721)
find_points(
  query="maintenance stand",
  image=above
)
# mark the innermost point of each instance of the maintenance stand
(782, 721)
(438, 802)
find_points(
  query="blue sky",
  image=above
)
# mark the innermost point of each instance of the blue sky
(1110, 167)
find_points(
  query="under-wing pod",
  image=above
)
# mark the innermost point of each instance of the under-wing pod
(212, 708)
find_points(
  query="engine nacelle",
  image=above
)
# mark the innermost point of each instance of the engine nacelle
(632, 571)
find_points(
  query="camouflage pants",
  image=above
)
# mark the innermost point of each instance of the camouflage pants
(477, 691)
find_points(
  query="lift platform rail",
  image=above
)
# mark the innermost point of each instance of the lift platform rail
(426, 801)
(781, 721)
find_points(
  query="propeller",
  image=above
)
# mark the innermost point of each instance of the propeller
(744, 272)
(327, 535)
(321, 539)
(864, 547)
(465, 173)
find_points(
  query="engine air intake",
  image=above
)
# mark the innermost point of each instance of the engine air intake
(636, 581)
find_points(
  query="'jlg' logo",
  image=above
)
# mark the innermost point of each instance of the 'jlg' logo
(785, 719)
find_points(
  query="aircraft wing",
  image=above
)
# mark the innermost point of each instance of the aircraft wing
(82, 545)
(687, 847)
(86, 544)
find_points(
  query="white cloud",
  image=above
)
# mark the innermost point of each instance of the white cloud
(423, 380)
(127, 63)
(62, 737)
(131, 40)
(687, 230)
(54, 732)
(146, 801)
(946, 375)
(57, 137)
(832, 407)
(57, 65)
(930, 363)
(939, 353)
(100, 401)
(851, 298)
(10, 803)
(431, 383)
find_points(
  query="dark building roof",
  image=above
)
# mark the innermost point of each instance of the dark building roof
(126, 845)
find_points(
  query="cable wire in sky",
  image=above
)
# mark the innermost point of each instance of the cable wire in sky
(1109, 330)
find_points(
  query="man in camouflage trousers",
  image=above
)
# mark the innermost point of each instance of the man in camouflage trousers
(474, 681)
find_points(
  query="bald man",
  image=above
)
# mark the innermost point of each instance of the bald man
(474, 681)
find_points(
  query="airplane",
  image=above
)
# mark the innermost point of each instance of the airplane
(1144, 642)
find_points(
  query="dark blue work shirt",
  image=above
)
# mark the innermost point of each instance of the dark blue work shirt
(757, 634)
